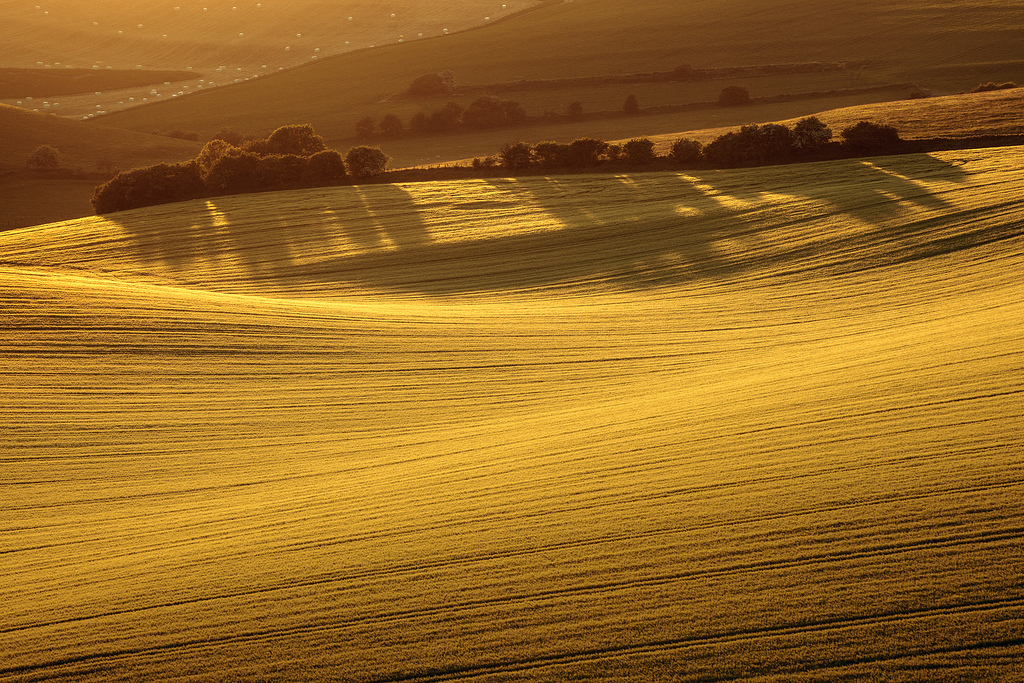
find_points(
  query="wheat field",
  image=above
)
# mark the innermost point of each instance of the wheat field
(739, 425)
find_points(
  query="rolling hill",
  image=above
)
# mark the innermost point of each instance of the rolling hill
(758, 424)
(29, 199)
(899, 43)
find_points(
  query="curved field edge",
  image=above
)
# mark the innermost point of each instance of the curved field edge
(699, 428)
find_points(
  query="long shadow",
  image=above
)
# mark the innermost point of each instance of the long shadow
(641, 230)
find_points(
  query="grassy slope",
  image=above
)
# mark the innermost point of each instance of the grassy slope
(588, 37)
(701, 427)
(28, 199)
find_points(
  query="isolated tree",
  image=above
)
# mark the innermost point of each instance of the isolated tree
(44, 158)
(575, 110)
(639, 151)
(365, 127)
(685, 151)
(733, 96)
(631, 107)
(432, 85)
(364, 162)
(391, 126)
(515, 155)
(300, 140)
(810, 134)
(867, 137)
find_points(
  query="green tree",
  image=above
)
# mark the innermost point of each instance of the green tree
(868, 137)
(515, 155)
(810, 134)
(685, 151)
(639, 151)
(300, 140)
(44, 158)
(364, 162)
(584, 152)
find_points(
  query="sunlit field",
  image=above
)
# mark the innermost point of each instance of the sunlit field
(758, 424)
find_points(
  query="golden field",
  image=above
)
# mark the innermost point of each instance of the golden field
(758, 424)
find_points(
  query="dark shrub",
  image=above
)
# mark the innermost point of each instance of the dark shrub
(325, 166)
(552, 154)
(867, 137)
(733, 96)
(419, 124)
(685, 151)
(234, 174)
(445, 119)
(575, 110)
(990, 86)
(515, 155)
(751, 146)
(584, 152)
(639, 151)
(491, 112)
(148, 186)
(613, 153)
(279, 169)
(432, 85)
(363, 162)
(183, 135)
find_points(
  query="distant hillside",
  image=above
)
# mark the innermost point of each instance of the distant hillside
(599, 37)
(29, 198)
(81, 144)
(247, 35)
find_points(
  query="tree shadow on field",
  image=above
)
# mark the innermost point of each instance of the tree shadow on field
(652, 229)
(624, 231)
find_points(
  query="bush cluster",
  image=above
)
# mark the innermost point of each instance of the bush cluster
(990, 86)
(292, 156)
(752, 145)
(482, 114)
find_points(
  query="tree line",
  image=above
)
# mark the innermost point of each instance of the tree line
(290, 157)
(751, 145)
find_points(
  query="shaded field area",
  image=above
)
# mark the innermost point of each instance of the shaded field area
(51, 82)
(753, 424)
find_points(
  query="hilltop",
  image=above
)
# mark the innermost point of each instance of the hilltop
(713, 425)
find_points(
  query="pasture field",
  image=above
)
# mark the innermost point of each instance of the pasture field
(229, 33)
(758, 424)
(904, 42)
